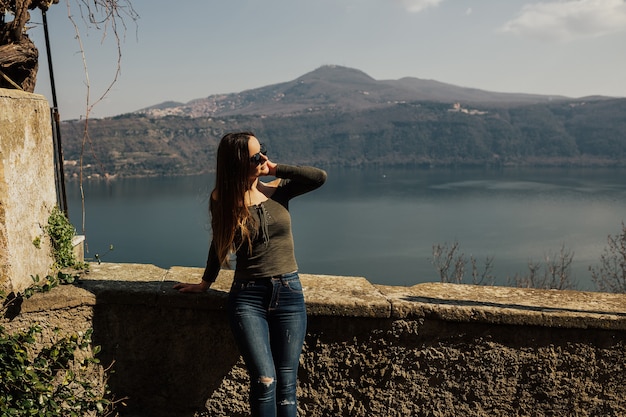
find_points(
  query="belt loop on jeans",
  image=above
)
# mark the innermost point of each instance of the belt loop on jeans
(280, 276)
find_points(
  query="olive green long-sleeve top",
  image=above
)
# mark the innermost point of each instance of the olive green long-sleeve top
(272, 252)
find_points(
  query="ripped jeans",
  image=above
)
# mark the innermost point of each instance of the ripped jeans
(268, 320)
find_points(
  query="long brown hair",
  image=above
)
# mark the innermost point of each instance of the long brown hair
(230, 216)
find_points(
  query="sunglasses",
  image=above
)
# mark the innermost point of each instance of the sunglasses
(257, 158)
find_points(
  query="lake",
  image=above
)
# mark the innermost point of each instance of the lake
(379, 223)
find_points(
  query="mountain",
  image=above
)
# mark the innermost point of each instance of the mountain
(338, 88)
(341, 116)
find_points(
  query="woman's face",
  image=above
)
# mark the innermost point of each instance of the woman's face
(254, 147)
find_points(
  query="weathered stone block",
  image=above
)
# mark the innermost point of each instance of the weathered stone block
(27, 189)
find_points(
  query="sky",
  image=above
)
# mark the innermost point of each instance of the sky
(191, 49)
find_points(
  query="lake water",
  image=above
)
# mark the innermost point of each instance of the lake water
(377, 223)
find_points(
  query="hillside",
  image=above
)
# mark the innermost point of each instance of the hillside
(341, 116)
(340, 88)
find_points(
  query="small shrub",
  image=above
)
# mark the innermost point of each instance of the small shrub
(610, 276)
(451, 265)
(51, 381)
(43, 378)
(556, 273)
(61, 233)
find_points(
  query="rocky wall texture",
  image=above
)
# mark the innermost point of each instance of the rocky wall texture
(427, 350)
(27, 188)
(439, 369)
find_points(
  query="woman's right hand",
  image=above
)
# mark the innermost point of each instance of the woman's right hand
(186, 287)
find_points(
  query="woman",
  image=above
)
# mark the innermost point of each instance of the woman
(250, 218)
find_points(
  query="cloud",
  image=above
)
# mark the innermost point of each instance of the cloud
(565, 20)
(416, 6)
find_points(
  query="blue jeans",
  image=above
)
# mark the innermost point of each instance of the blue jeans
(268, 319)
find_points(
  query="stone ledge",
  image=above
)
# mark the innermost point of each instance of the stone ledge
(507, 305)
(15, 94)
(111, 283)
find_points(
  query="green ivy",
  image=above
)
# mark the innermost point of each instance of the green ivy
(56, 380)
(61, 233)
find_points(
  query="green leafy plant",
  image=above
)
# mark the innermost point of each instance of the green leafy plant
(61, 233)
(46, 374)
(53, 381)
(51, 281)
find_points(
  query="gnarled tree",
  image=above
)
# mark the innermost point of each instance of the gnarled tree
(19, 55)
(19, 58)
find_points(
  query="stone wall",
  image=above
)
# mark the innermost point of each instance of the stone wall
(27, 188)
(427, 350)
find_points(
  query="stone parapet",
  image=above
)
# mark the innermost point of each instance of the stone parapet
(356, 297)
(506, 305)
(427, 350)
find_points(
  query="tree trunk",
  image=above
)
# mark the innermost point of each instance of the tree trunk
(18, 65)
(18, 54)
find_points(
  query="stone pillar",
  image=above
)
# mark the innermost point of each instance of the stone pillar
(27, 188)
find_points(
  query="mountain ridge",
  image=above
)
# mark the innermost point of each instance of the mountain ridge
(340, 88)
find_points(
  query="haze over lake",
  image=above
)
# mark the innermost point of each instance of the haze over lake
(379, 223)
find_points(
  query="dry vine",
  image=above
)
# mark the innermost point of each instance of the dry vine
(106, 16)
